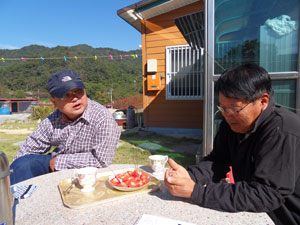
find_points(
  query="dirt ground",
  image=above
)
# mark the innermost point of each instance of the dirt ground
(18, 117)
(17, 131)
(15, 117)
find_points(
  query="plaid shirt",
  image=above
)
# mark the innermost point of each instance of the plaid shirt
(90, 140)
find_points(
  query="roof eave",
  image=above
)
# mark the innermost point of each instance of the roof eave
(128, 13)
(146, 9)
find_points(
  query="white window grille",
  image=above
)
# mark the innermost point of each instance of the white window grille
(184, 73)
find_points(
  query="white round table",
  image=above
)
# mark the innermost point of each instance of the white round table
(45, 206)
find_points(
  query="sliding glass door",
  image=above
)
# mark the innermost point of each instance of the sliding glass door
(263, 32)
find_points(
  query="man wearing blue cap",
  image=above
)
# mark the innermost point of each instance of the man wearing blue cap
(83, 132)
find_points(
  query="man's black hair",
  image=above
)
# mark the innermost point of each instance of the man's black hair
(248, 81)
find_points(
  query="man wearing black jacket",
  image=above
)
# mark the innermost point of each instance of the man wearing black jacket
(261, 141)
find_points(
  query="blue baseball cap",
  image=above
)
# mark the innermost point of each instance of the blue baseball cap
(62, 82)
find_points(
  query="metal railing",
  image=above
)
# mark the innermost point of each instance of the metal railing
(184, 73)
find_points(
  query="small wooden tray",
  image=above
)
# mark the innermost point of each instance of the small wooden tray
(103, 191)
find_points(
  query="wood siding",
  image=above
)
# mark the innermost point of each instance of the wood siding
(157, 33)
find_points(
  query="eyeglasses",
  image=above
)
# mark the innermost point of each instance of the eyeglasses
(229, 110)
(78, 93)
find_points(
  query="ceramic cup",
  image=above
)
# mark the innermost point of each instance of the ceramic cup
(158, 163)
(86, 178)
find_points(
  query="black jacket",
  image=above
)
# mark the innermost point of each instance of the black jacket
(265, 164)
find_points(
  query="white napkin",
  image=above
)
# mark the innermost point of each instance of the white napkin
(146, 219)
(22, 191)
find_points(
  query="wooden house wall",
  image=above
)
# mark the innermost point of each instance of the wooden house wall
(157, 33)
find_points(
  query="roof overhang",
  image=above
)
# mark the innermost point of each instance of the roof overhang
(192, 28)
(147, 9)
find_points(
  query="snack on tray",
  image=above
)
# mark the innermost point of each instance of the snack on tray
(129, 180)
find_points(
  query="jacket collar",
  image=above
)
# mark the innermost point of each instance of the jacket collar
(262, 117)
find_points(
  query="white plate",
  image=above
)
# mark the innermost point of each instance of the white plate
(126, 188)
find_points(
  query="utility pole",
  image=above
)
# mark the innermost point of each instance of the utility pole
(111, 95)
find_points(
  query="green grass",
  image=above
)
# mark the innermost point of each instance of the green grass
(6, 144)
(127, 153)
(167, 145)
(32, 125)
(7, 141)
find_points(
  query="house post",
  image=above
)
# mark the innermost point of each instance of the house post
(208, 118)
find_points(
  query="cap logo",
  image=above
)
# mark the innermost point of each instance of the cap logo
(66, 78)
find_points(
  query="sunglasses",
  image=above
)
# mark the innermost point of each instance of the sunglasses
(78, 93)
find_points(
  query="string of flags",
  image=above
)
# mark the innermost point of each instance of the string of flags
(64, 58)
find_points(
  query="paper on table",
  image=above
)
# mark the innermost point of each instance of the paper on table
(146, 219)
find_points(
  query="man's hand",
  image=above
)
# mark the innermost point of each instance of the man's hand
(178, 180)
(52, 164)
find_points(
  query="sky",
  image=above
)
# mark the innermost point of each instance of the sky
(54, 23)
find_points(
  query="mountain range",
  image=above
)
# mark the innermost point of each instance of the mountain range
(108, 74)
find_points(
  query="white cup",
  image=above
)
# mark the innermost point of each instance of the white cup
(158, 163)
(86, 178)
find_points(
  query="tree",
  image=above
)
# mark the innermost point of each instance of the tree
(98, 75)
(102, 97)
(20, 94)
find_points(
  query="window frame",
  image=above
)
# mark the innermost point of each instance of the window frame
(211, 77)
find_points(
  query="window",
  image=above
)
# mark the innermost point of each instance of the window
(263, 32)
(184, 73)
(285, 93)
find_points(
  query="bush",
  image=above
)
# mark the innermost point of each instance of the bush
(20, 94)
(41, 112)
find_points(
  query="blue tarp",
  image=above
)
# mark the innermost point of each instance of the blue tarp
(4, 111)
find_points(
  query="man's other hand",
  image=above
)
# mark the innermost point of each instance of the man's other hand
(52, 164)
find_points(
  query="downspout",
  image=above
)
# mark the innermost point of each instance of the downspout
(298, 80)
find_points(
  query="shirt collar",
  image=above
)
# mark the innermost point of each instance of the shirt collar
(86, 115)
